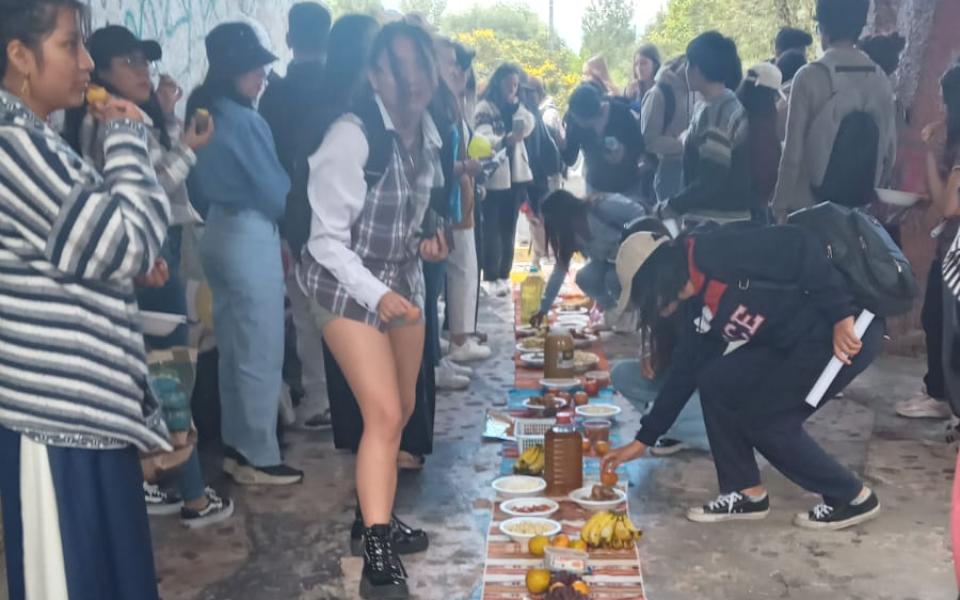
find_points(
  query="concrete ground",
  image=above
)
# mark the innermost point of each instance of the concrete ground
(287, 544)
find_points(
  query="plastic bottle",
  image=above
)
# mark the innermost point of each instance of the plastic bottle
(563, 468)
(531, 292)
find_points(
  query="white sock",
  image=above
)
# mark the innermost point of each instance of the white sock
(759, 498)
(864, 494)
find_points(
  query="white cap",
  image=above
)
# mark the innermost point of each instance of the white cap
(633, 252)
(765, 75)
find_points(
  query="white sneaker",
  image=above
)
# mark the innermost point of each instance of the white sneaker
(444, 345)
(490, 288)
(923, 406)
(503, 288)
(458, 369)
(471, 350)
(446, 379)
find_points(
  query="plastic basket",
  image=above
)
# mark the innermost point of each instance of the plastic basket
(528, 427)
(525, 442)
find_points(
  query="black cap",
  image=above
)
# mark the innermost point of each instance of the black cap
(585, 102)
(234, 49)
(112, 41)
(309, 24)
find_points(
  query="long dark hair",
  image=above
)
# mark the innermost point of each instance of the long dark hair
(950, 88)
(659, 281)
(215, 86)
(492, 92)
(31, 22)
(564, 218)
(383, 45)
(348, 54)
(760, 102)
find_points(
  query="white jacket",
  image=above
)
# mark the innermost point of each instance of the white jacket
(490, 125)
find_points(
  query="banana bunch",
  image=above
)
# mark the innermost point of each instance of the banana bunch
(531, 462)
(612, 530)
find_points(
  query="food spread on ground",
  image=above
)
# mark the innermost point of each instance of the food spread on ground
(530, 527)
(531, 462)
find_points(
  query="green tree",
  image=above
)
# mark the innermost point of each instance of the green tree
(431, 9)
(608, 30)
(510, 20)
(364, 7)
(752, 23)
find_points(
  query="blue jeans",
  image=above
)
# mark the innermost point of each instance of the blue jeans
(668, 180)
(626, 377)
(598, 280)
(240, 251)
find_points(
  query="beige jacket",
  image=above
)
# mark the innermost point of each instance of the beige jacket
(489, 124)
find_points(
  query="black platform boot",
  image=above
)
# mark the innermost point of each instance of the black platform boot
(406, 540)
(384, 577)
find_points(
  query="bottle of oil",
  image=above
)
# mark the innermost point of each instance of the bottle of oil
(531, 291)
(563, 468)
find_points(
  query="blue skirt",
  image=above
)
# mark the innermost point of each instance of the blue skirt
(101, 523)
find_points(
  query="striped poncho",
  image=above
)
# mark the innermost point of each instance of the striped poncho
(72, 361)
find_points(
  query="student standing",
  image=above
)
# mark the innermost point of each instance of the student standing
(753, 398)
(285, 106)
(848, 78)
(240, 179)
(716, 159)
(664, 117)
(123, 68)
(74, 400)
(505, 123)
(646, 65)
(759, 94)
(367, 288)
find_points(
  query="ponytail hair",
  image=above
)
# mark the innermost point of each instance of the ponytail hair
(950, 88)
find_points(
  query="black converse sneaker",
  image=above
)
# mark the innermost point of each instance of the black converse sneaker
(406, 540)
(824, 517)
(241, 471)
(384, 577)
(160, 502)
(731, 507)
(218, 509)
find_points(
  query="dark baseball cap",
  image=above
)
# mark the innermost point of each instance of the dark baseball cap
(234, 49)
(585, 102)
(309, 25)
(112, 41)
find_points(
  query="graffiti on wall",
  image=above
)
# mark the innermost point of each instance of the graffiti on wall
(181, 25)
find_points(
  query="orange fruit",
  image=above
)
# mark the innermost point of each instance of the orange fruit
(561, 541)
(581, 587)
(578, 545)
(538, 581)
(96, 94)
(601, 447)
(537, 545)
(609, 478)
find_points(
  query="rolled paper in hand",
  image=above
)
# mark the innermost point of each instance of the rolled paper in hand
(202, 119)
(833, 367)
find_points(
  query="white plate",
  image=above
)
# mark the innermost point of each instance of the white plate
(160, 324)
(533, 359)
(558, 403)
(582, 497)
(524, 350)
(510, 507)
(572, 321)
(603, 411)
(898, 198)
(551, 528)
(536, 485)
(571, 312)
(560, 384)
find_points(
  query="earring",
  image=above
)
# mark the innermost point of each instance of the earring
(25, 88)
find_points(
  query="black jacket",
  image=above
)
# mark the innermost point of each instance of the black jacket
(285, 104)
(769, 286)
(603, 174)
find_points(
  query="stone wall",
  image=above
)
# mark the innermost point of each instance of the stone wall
(180, 27)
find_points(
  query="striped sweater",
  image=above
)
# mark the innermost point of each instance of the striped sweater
(72, 361)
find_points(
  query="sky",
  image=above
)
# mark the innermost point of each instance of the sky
(568, 14)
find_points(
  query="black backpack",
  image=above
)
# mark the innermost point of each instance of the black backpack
(878, 274)
(850, 175)
(669, 104)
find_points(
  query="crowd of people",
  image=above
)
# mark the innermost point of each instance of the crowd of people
(372, 195)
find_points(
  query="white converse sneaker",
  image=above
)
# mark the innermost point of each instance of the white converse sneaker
(503, 288)
(458, 369)
(444, 345)
(471, 350)
(446, 379)
(923, 406)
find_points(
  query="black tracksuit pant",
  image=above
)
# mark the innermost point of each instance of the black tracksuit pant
(754, 399)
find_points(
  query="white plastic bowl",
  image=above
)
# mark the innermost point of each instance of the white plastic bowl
(519, 486)
(898, 197)
(598, 411)
(560, 384)
(551, 528)
(160, 324)
(582, 497)
(510, 507)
